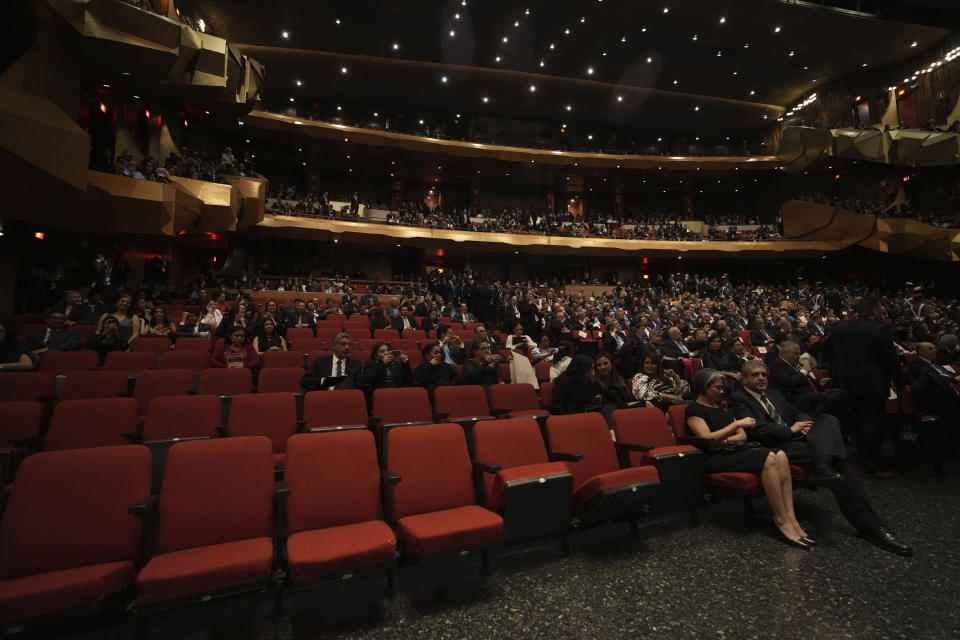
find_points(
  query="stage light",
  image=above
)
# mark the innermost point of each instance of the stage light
(103, 108)
(649, 59)
(542, 64)
(299, 83)
(486, 99)
(569, 107)
(497, 59)
(666, 9)
(39, 235)
(695, 36)
(452, 33)
(337, 20)
(505, 39)
(619, 98)
(552, 46)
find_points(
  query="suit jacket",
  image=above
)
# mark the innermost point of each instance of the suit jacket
(397, 322)
(672, 349)
(932, 391)
(757, 339)
(348, 298)
(767, 432)
(81, 314)
(369, 300)
(62, 340)
(788, 380)
(463, 317)
(294, 318)
(322, 368)
(863, 360)
(610, 342)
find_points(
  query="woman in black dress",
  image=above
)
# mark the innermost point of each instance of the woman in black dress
(716, 355)
(707, 418)
(268, 338)
(576, 389)
(614, 391)
(386, 369)
(434, 372)
(481, 367)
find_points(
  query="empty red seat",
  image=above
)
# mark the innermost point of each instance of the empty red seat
(518, 400)
(193, 344)
(282, 359)
(415, 357)
(215, 516)
(434, 503)
(19, 421)
(414, 334)
(530, 492)
(299, 333)
(171, 417)
(403, 344)
(276, 379)
(542, 370)
(97, 422)
(466, 403)
(194, 360)
(338, 408)
(366, 344)
(26, 385)
(328, 535)
(401, 406)
(225, 382)
(602, 490)
(150, 344)
(130, 361)
(94, 384)
(63, 362)
(326, 334)
(272, 415)
(679, 467)
(303, 345)
(546, 395)
(386, 334)
(153, 383)
(67, 542)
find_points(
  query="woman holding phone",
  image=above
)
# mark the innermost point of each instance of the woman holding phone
(386, 369)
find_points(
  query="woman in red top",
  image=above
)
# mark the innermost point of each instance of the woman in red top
(236, 351)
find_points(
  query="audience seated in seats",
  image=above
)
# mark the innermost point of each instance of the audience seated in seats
(543, 352)
(299, 317)
(404, 320)
(212, 316)
(237, 317)
(716, 355)
(336, 371)
(675, 347)
(191, 327)
(434, 371)
(462, 314)
(521, 347)
(378, 320)
(615, 393)
(576, 389)
(386, 369)
(108, 339)
(810, 345)
(123, 311)
(933, 385)
(658, 386)
(727, 449)
(235, 352)
(267, 338)
(614, 339)
(73, 308)
(561, 359)
(482, 334)
(802, 389)
(451, 345)
(817, 444)
(948, 349)
(56, 337)
(12, 357)
(759, 336)
(159, 325)
(482, 367)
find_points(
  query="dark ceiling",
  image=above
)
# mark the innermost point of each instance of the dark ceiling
(636, 63)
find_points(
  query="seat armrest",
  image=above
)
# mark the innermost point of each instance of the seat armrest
(390, 478)
(560, 456)
(633, 446)
(498, 412)
(486, 467)
(222, 430)
(143, 506)
(704, 444)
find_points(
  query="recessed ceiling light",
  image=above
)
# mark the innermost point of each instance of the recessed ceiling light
(533, 88)
(722, 20)
(396, 46)
(526, 12)
(589, 71)
(864, 64)
(299, 83)
(695, 36)
(913, 44)
(375, 114)
(506, 39)
(590, 137)
(516, 23)
(736, 73)
(337, 20)
(776, 29)
(603, 53)
(291, 99)
(125, 73)
(582, 20)
(649, 59)
(666, 9)
(696, 108)
(719, 54)
(343, 70)
(452, 33)
(569, 107)
(746, 45)
(552, 46)
(443, 79)
(339, 108)
(458, 115)
(206, 112)
(659, 139)
(752, 92)
(619, 98)
(456, 16)
(497, 59)
(791, 54)
(106, 86)
(285, 34)
(421, 121)
(486, 99)
(624, 38)
(542, 63)
(566, 32)
(675, 82)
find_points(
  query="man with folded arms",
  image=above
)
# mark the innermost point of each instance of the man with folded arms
(814, 443)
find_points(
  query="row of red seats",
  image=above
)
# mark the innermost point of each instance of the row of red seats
(218, 509)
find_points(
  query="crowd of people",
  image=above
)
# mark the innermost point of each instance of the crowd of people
(193, 164)
(655, 225)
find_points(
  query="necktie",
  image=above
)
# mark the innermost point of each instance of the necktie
(619, 340)
(446, 353)
(941, 369)
(339, 368)
(46, 338)
(770, 409)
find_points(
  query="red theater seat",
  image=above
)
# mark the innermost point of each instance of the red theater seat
(546, 395)
(153, 383)
(330, 536)
(94, 384)
(173, 417)
(66, 540)
(282, 359)
(602, 489)
(19, 421)
(530, 492)
(97, 422)
(150, 344)
(280, 379)
(16, 386)
(63, 362)
(193, 344)
(414, 334)
(434, 504)
(194, 360)
(338, 408)
(225, 382)
(303, 345)
(300, 333)
(215, 517)
(132, 362)
(273, 415)
(518, 400)
(386, 334)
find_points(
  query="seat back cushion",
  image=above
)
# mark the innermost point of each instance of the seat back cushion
(96, 422)
(467, 400)
(643, 425)
(402, 405)
(435, 468)
(273, 415)
(586, 434)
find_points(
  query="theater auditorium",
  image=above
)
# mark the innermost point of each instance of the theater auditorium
(479, 319)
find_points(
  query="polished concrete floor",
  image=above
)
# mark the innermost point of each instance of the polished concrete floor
(728, 578)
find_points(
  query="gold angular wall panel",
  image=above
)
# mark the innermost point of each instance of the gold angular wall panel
(220, 203)
(801, 147)
(253, 197)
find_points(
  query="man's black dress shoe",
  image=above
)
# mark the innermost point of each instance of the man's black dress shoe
(885, 540)
(822, 475)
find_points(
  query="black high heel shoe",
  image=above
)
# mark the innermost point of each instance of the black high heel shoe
(799, 543)
(810, 541)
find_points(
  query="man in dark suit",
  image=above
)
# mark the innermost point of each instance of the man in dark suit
(56, 337)
(74, 310)
(932, 383)
(759, 336)
(337, 371)
(299, 317)
(674, 346)
(801, 389)
(864, 364)
(404, 320)
(463, 314)
(613, 338)
(481, 333)
(817, 443)
(348, 297)
(530, 317)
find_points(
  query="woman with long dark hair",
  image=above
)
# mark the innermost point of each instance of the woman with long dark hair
(657, 386)
(434, 371)
(576, 390)
(482, 367)
(386, 369)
